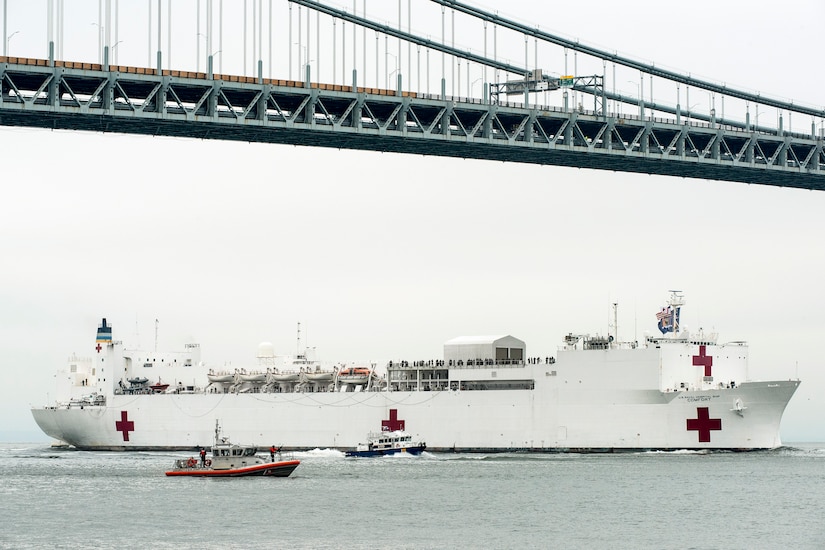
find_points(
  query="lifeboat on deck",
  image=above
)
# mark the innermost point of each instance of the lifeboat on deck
(354, 375)
(159, 387)
(255, 377)
(220, 376)
(286, 376)
(320, 375)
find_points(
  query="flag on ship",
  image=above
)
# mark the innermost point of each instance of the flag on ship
(668, 319)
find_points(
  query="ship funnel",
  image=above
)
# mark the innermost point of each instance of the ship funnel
(104, 332)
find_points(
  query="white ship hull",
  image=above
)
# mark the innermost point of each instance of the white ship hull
(540, 420)
(675, 392)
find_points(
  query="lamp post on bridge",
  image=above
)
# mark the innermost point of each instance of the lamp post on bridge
(113, 51)
(5, 26)
(301, 70)
(99, 41)
(198, 51)
(388, 75)
(8, 41)
(758, 112)
(211, 64)
(639, 95)
(473, 84)
(306, 69)
(690, 108)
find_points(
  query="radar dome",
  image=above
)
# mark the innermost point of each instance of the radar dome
(266, 349)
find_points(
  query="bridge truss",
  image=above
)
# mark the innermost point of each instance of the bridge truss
(61, 95)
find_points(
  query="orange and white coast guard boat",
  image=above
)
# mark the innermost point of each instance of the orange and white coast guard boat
(230, 460)
(677, 389)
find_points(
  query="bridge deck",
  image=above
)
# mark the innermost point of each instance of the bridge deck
(136, 100)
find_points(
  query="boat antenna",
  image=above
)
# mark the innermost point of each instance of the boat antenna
(616, 321)
(298, 344)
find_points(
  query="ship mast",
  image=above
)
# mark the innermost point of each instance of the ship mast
(615, 325)
(677, 300)
(298, 344)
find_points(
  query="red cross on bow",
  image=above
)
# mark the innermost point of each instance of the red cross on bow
(124, 425)
(393, 423)
(703, 424)
(703, 360)
(98, 348)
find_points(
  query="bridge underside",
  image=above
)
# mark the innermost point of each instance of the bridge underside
(242, 109)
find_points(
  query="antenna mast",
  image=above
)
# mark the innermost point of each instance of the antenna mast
(677, 300)
(298, 344)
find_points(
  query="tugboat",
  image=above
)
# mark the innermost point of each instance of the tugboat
(231, 460)
(388, 443)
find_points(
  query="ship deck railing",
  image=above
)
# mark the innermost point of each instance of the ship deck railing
(439, 364)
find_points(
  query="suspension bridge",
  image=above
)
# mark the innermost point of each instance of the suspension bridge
(521, 113)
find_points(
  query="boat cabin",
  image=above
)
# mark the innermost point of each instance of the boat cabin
(227, 455)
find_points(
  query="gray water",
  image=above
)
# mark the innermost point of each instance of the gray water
(56, 498)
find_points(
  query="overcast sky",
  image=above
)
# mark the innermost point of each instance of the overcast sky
(384, 256)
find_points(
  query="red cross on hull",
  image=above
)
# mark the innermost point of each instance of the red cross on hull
(124, 425)
(393, 423)
(703, 424)
(703, 360)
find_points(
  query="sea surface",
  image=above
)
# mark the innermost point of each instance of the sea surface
(61, 498)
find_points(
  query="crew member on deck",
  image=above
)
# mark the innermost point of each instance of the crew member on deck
(203, 457)
(272, 450)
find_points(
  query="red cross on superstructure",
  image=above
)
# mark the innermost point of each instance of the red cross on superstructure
(124, 425)
(704, 424)
(703, 360)
(393, 423)
(98, 348)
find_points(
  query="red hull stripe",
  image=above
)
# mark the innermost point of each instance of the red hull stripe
(259, 468)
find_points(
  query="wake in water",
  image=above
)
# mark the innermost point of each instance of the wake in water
(319, 453)
(677, 452)
(334, 453)
(801, 449)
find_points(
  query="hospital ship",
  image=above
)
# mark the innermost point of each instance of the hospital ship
(672, 390)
